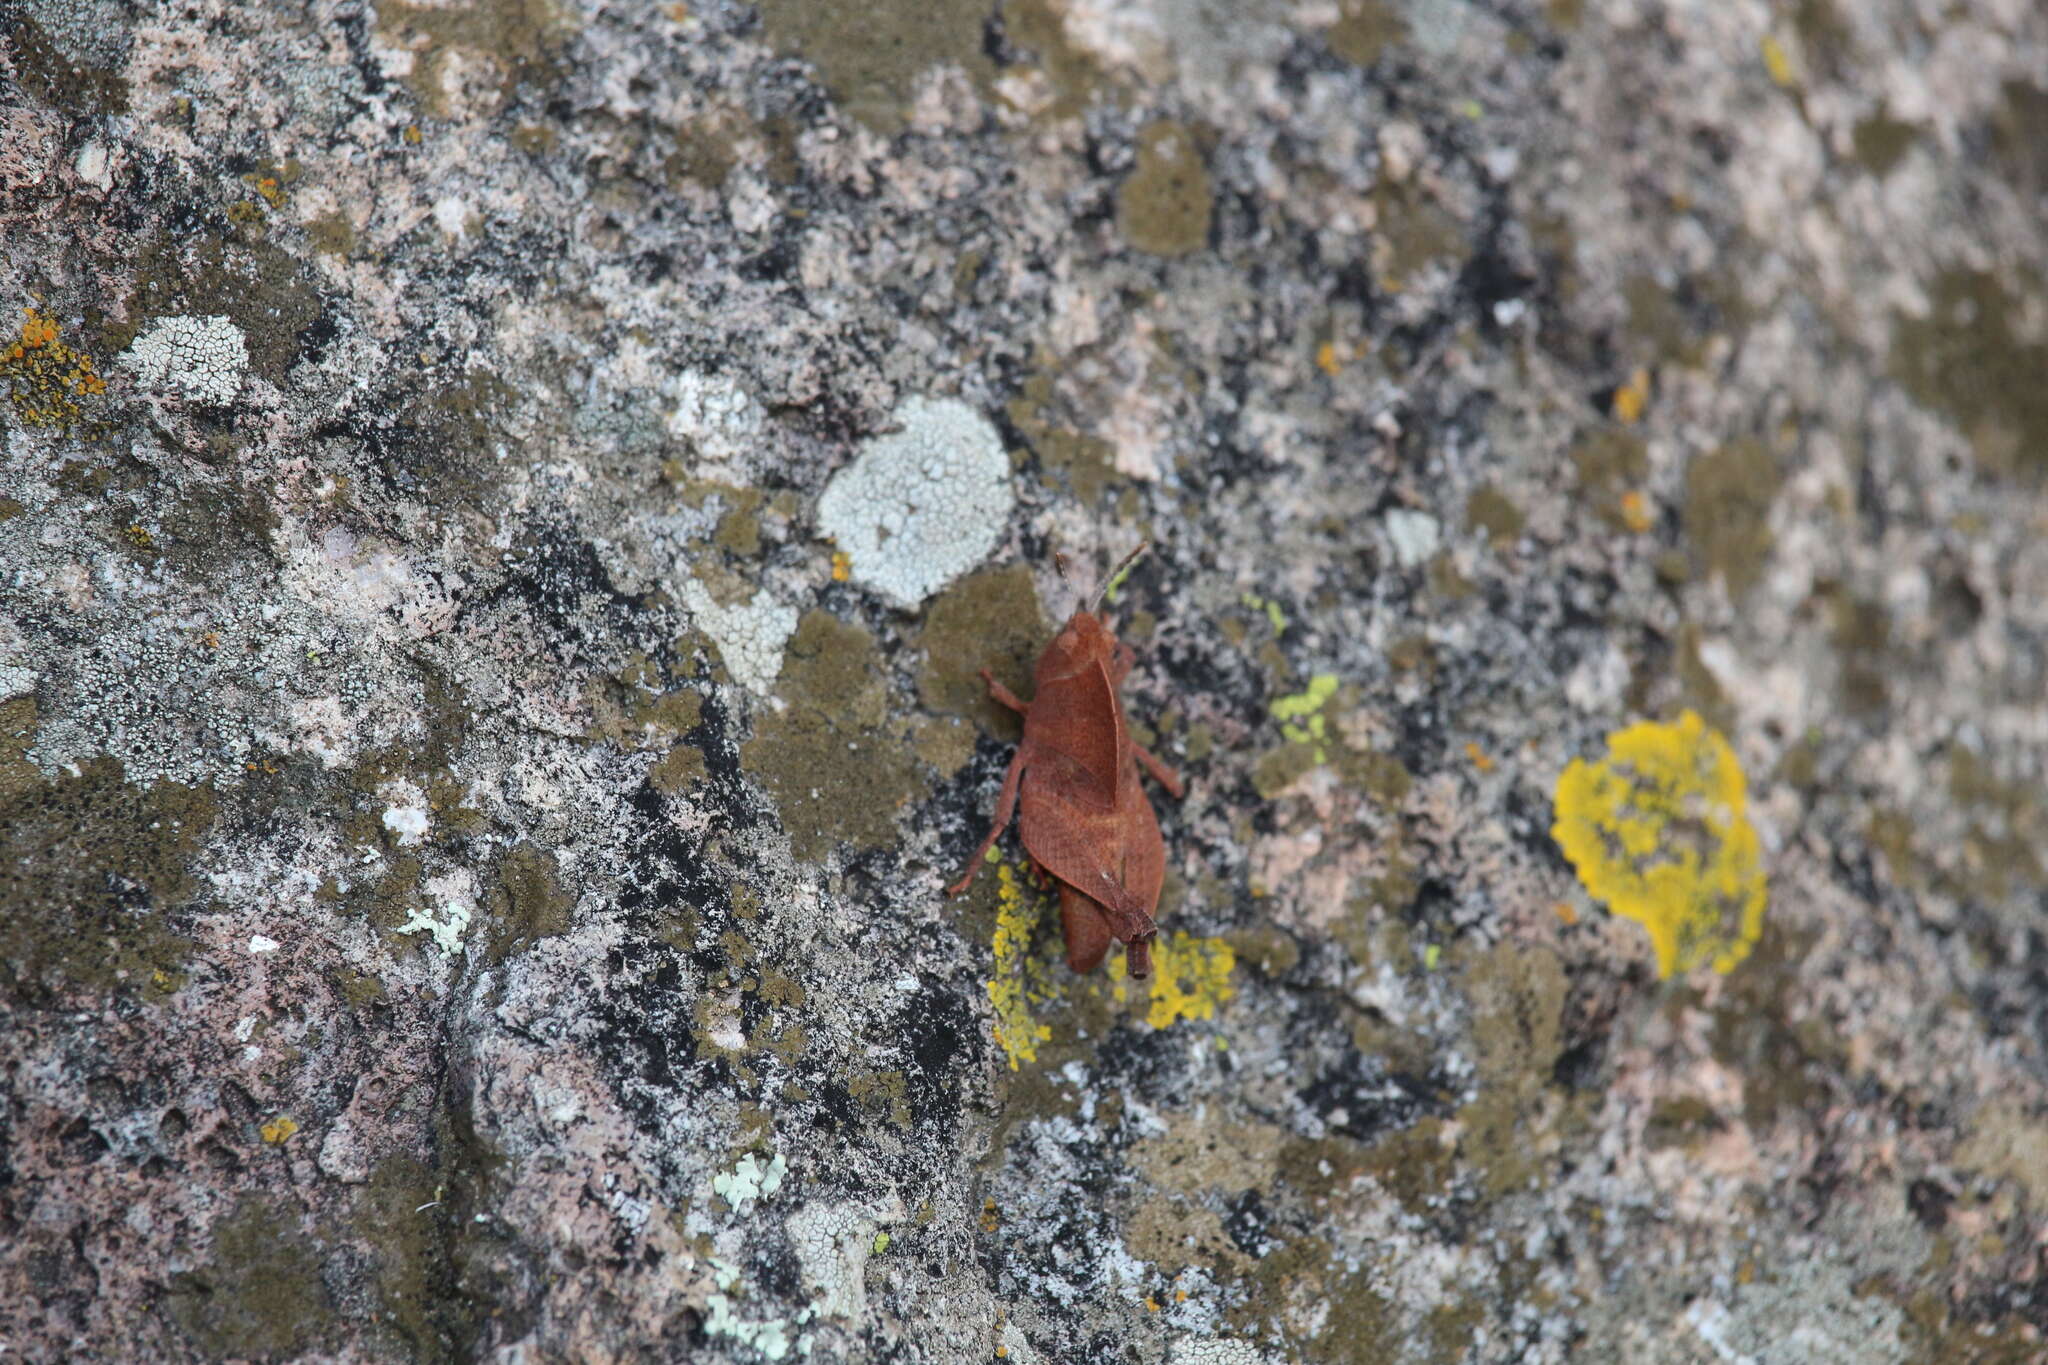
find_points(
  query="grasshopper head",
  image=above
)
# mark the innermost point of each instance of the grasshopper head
(1082, 644)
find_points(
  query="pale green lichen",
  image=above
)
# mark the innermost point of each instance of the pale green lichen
(1300, 715)
(750, 1179)
(446, 927)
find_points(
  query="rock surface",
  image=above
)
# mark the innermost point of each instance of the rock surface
(470, 849)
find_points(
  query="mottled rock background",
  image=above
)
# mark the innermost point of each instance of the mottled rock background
(472, 854)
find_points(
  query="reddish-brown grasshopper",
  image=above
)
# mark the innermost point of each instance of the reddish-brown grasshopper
(1085, 820)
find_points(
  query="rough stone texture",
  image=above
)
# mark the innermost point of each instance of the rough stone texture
(418, 942)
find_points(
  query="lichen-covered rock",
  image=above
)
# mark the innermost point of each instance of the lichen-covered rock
(504, 506)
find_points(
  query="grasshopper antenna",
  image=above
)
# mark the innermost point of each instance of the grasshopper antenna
(1109, 584)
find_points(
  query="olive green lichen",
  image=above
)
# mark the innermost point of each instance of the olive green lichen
(1087, 463)
(1517, 994)
(1728, 494)
(261, 288)
(1761, 1032)
(89, 867)
(436, 1279)
(836, 766)
(1365, 29)
(260, 1295)
(1414, 232)
(871, 67)
(1037, 31)
(1969, 359)
(58, 78)
(1164, 205)
(1491, 511)
(518, 37)
(527, 904)
(1611, 464)
(990, 619)
(1881, 142)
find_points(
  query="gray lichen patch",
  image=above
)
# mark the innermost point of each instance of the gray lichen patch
(923, 504)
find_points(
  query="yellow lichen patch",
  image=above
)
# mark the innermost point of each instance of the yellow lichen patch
(1631, 398)
(1327, 359)
(1658, 831)
(45, 379)
(1018, 980)
(1635, 512)
(1778, 63)
(1300, 715)
(842, 566)
(1190, 978)
(279, 1130)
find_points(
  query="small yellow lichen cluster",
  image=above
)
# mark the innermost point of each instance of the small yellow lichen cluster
(1017, 981)
(1300, 715)
(45, 379)
(1190, 978)
(1658, 831)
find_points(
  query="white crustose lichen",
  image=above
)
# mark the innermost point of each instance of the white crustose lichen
(923, 505)
(199, 358)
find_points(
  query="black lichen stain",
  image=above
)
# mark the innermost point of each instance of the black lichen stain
(991, 620)
(91, 867)
(871, 66)
(836, 765)
(1969, 359)
(1728, 494)
(1164, 206)
(260, 1295)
